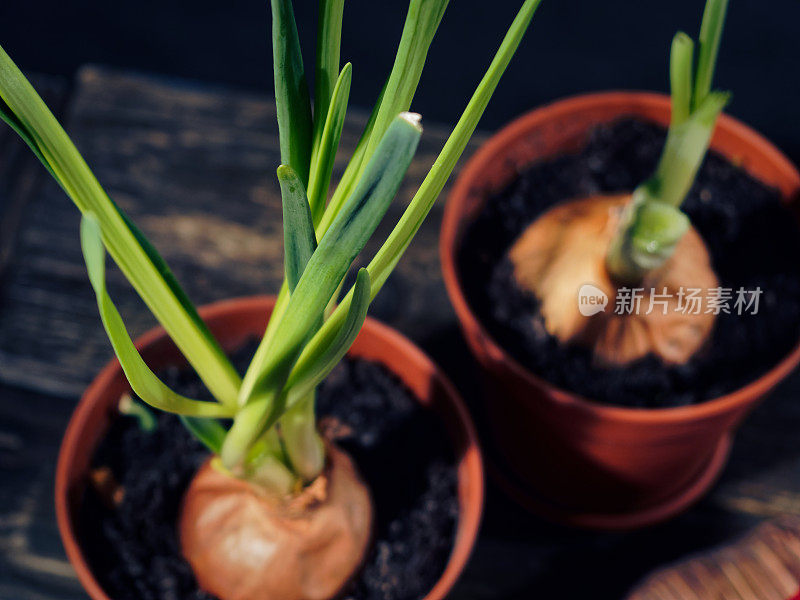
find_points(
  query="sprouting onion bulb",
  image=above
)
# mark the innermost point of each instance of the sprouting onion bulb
(653, 223)
(639, 240)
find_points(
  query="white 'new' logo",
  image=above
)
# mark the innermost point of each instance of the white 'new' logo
(591, 300)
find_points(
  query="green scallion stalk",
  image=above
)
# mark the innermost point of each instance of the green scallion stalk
(304, 446)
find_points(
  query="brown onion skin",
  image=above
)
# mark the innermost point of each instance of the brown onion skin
(245, 544)
(566, 247)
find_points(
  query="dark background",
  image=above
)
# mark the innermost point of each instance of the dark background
(573, 46)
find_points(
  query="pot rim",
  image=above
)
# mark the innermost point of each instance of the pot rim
(452, 229)
(462, 431)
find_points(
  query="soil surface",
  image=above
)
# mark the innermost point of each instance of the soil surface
(753, 240)
(400, 448)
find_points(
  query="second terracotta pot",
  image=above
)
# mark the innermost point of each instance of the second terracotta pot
(234, 322)
(564, 456)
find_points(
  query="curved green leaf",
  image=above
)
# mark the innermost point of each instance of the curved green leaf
(342, 192)
(146, 385)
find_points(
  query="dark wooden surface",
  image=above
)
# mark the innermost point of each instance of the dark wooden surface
(194, 166)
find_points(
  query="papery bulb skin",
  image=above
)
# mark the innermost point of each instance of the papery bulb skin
(565, 249)
(243, 543)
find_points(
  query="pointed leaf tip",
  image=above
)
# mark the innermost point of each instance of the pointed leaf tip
(411, 117)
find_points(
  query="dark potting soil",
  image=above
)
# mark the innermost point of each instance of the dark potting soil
(753, 240)
(401, 451)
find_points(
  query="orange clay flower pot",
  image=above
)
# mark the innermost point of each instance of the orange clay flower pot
(233, 322)
(564, 456)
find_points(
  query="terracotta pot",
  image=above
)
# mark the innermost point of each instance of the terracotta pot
(233, 322)
(564, 456)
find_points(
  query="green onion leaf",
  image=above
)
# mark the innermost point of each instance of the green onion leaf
(299, 240)
(342, 191)
(146, 385)
(653, 224)
(680, 65)
(322, 167)
(710, 36)
(684, 151)
(291, 91)
(329, 41)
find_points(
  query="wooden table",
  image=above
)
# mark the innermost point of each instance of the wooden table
(194, 167)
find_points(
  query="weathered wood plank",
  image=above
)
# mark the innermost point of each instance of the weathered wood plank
(32, 561)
